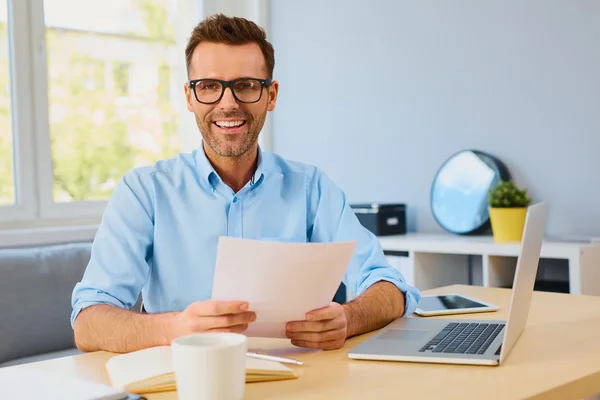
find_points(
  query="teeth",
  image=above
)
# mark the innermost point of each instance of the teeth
(229, 124)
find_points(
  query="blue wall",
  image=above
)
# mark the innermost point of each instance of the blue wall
(379, 93)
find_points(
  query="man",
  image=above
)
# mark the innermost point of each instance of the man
(160, 229)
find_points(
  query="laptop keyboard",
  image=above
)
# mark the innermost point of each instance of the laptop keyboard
(464, 338)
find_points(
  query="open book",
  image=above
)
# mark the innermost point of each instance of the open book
(151, 370)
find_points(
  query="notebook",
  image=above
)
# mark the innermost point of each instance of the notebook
(151, 370)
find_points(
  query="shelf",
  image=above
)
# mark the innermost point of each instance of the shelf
(428, 261)
(455, 244)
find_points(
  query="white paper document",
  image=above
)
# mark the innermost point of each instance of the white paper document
(28, 382)
(281, 281)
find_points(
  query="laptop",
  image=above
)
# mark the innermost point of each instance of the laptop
(461, 341)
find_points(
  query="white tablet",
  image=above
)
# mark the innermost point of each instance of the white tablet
(452, 303)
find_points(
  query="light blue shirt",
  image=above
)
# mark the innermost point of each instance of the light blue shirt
(160, 230)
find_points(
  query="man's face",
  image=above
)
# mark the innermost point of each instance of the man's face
(229, 127)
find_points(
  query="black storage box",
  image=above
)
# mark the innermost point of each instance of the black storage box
(382, 219)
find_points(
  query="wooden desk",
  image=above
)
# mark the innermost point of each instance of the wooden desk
(557, 357)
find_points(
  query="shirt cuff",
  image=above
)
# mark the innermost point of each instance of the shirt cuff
(98, 298)
(412, 295)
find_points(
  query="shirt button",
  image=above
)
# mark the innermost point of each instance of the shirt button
(235, 199)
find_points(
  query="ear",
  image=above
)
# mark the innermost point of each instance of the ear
(273, 90)
(188, 96)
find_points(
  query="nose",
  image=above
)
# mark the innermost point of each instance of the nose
(228, 102)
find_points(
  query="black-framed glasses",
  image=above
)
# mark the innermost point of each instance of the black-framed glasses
(245, 90)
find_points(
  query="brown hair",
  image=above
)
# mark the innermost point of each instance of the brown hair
(219, 28)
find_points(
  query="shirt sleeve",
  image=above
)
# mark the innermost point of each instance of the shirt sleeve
(118, 266)
(330, 218)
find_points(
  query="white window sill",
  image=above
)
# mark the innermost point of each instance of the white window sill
(47, 235)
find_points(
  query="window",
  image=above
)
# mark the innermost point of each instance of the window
(164, 81)
(89, 90)
(106, 112)
(121, 78)
(7, 193)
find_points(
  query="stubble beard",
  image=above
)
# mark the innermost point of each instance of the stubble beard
(234, 145)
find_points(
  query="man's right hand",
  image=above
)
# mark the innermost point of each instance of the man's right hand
(212, 316)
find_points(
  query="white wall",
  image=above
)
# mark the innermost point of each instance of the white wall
(379, 93)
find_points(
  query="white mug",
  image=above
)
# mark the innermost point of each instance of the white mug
(210, 366)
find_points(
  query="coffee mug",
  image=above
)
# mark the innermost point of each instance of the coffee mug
(210, 366)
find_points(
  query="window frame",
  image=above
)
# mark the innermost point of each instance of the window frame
(21, 91)
(48, 209)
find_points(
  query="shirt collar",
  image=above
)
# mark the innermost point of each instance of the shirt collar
(205, 167)
(260, 169)
(208, 173)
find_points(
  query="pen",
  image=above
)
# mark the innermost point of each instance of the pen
(274, 358)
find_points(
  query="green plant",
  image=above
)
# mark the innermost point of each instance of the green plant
(506, 194)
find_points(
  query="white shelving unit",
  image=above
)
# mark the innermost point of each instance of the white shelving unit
(436, 260)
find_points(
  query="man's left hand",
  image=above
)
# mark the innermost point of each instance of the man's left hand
(325, 328)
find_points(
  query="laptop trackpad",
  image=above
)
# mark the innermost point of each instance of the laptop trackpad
(403, 334)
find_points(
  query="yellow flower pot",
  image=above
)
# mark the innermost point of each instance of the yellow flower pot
(507, 223)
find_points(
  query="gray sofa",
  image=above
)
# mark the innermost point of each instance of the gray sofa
(35, 301)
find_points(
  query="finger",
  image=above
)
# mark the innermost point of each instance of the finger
(213, 307)
(329, 312)
(232, 329)
(337, 334)
(229, 320)
(329, 345)
(315, 326)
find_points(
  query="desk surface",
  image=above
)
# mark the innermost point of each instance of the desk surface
(557, 356)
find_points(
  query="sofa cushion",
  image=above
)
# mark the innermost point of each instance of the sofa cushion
(35, 298)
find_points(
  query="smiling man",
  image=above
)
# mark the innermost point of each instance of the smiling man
(160, 230)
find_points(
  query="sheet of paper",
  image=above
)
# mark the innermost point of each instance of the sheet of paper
(281, 281)
(26, 382)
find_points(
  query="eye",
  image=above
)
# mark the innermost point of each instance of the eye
(208, 85)
(248, 84)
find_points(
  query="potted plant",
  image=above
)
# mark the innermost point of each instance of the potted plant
(508, 209)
